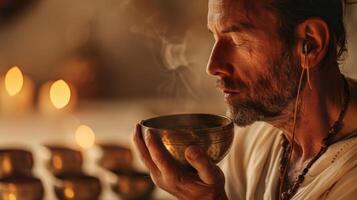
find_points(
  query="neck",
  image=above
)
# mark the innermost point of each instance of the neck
(319, 107)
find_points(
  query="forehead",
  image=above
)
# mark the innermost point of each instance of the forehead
(253, 12)
(227, 7)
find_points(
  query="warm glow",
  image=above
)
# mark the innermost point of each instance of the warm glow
(14, 81)
(12, 196)
(68, 192)
(6, 164)
(60, 94)
(85, 136)
(57, 162)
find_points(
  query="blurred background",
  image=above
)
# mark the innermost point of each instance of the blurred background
(104, 65)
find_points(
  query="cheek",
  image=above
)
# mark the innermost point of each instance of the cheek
(255, 59)
(251, 62)
(267, 51)
(266, 57)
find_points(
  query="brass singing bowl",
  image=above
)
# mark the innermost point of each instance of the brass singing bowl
(15, 162)
(77, 187)
(133, 185)
(213, 133)
(64, 160)
(115, 157)
(24, 188)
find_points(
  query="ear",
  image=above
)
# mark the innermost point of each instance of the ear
(315, 31)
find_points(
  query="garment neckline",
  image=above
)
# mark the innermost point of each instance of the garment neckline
(349, 136)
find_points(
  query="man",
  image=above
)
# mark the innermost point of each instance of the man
(276, 61)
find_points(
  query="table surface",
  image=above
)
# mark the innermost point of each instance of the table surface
(112, 122)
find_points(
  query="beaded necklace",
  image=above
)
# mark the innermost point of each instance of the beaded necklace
(328, 141)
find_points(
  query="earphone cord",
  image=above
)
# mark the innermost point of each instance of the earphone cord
(292, 144)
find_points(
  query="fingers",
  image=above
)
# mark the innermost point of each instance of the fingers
(144, 153)
(169, 177)
(159, 155)
(154, 155)
(207, 170)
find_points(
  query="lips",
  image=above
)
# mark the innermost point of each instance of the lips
(229, 91)
(226, 90)
(229, 94)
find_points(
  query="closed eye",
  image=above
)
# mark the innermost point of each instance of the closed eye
(238, 41)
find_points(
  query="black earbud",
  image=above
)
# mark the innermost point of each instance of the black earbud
(306, 49)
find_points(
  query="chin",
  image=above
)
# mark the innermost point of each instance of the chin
(243, 117)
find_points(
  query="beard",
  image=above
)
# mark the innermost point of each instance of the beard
(267, 96)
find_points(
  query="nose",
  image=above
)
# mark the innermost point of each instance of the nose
(218, 64)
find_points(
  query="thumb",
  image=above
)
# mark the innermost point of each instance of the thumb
(208, 172)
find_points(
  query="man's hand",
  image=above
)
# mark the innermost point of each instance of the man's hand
(207, 184)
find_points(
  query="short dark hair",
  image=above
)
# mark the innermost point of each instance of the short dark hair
(293, 12)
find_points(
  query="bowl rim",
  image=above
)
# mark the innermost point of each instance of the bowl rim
(229, 125)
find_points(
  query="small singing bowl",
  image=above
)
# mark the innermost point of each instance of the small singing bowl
(24, 188)
(132, 185)
(77, 187)
(64, 160)
(213, 133)
(15, 162)
(115, 157)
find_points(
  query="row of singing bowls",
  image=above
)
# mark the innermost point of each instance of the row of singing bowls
(16, 181)
(175, 133)
(71, 183)
(115, 157)
(15, 162)
(130, 184)
(133, 185)
(21, 188)
(64, 160)
(77, 187)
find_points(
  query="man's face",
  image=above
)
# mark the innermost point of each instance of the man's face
(257, 72)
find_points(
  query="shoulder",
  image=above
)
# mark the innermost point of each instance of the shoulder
(340, 171)
(345, 188)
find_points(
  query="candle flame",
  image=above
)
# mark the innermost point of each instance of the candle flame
(57, 162)
(60, 94)
(85, 137)
(69, 193)
(14, 81)
(6, 164)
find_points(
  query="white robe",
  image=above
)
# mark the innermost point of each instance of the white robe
(252, 168)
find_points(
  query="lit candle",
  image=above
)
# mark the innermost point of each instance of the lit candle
(57, 97)
(84, 137)
(16, 93)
